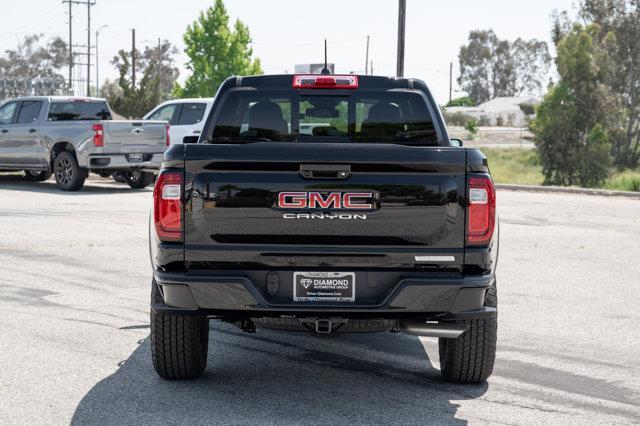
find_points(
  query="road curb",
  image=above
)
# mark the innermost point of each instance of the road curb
(567, 190)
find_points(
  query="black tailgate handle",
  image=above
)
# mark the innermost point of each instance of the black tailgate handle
(325, 171)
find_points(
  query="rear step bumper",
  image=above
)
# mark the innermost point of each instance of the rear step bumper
(426, 297)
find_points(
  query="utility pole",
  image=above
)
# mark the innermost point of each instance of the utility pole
(89, 48)
(133, 58)
(72, 61)
(158, 68)
(70, 48)
(98, 61)
(371, 67)
(402, 11)
(450, 81)
(366, 61)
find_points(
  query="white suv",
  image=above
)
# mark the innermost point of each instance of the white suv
(186, 117)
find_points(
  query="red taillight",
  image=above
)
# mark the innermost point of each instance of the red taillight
(320, 81)
(167, 206)
(167, 127)
(98, 134)
(482, 210)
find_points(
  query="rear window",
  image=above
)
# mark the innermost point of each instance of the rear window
(78, 111)
(366, 116)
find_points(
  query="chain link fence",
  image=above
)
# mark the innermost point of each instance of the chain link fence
(11, 87)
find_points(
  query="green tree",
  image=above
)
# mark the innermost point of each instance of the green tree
(491, 67)
(159, 74)
(572, 127)
(216, 52)
(620, 23)
(34, 68)
(129, 101)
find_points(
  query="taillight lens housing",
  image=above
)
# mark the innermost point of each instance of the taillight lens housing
(321, 81)
(167, 206)
(167, 127)
(481, 215)
(98, 134)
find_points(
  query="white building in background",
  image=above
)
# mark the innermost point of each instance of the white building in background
(504, 111)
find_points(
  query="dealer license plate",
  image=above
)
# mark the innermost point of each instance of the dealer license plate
(324, 287)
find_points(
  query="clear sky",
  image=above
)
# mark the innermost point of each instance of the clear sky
(289, 32)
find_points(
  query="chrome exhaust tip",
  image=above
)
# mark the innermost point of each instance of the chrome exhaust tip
(432, 329)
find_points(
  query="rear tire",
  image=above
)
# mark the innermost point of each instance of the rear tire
(37, 175)
(179, 344)
(138, 179)
(470, 358)
(69, 176)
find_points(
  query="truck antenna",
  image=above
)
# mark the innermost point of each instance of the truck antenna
(326, 69)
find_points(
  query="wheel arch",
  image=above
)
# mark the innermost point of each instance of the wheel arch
(59, 147)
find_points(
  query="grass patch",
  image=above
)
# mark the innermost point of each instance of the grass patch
(522, 167)
(627, 180)
(514, 166)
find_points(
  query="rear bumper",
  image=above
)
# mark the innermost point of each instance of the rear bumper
(123, 161)
(235, 296)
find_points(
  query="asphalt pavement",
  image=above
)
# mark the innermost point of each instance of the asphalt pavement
(74, 323)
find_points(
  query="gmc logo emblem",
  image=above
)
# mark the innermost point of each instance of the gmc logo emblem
(333, 200)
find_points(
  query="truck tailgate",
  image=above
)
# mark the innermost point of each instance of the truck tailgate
(134, 134)
(406, 203)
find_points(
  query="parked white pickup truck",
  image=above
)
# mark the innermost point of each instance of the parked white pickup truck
(186, 117)
(70, 137)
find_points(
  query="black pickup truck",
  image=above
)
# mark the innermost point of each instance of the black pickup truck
(325, 204)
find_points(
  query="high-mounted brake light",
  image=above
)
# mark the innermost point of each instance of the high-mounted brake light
(167, 127)
(98, 135)
(167, 206)
(320, 81)
(482, 211)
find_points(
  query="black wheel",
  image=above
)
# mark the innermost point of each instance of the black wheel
(69, 176)
(179, 344)
(470, 357)
(37, 175)
(138, 179)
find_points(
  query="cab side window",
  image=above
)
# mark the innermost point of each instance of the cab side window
(164, 114)
(191, 114)
(29, 112)
(7, 112)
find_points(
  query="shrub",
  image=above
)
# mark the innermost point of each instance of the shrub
(527, 108)
(456, 118)
(484, 121)
(472, 127)
(463, 101)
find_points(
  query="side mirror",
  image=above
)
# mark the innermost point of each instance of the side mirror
(456, 142)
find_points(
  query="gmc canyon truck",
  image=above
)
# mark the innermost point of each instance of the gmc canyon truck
(70, 137)
(370, 220)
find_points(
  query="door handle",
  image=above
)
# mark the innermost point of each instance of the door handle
(196, 132)
(325, 171)
(32, 130)
(4, 131)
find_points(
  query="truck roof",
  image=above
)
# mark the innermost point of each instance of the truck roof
(57, 98)
(365, 81)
